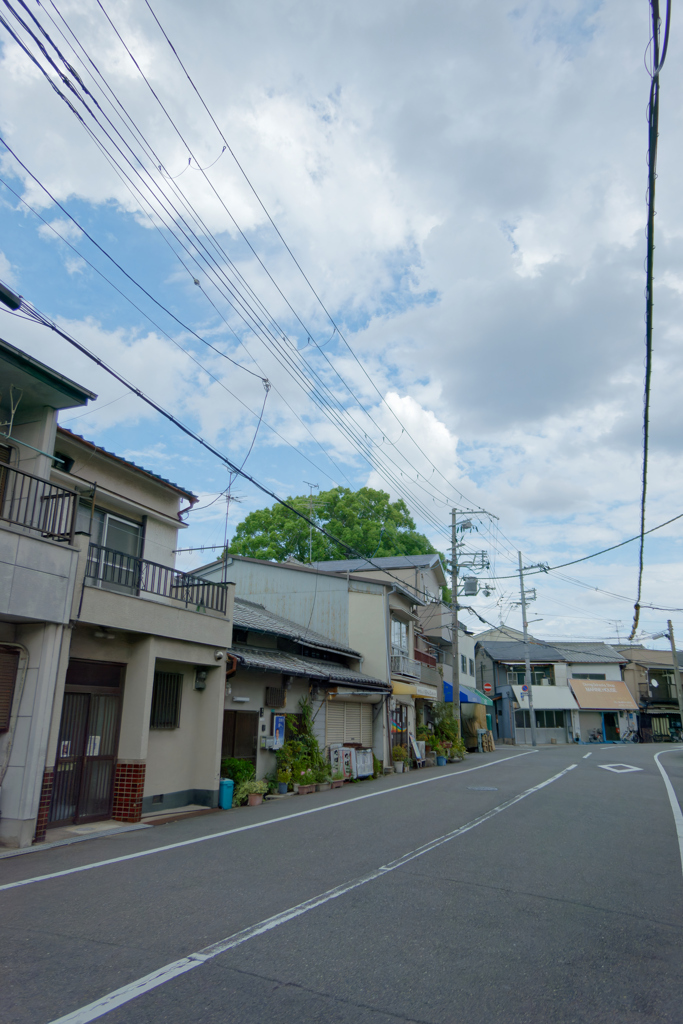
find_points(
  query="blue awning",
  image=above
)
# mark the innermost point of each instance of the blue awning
(468, 695)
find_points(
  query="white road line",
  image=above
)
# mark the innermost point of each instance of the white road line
(126, 993)
(673, 800)
(587, 755)
(257, 824)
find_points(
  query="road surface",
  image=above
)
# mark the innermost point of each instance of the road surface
(517, 887)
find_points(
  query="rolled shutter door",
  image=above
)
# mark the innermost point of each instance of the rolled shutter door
(334, 723)
(366, 724)
(9, 660)
(352, 731)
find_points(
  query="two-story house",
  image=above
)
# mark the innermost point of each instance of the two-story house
(649, 676)
(371, 616)
(117, 707)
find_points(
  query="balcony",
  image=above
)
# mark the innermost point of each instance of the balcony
(426, 659)
(402, 665)
(126, 574)
(36, 504)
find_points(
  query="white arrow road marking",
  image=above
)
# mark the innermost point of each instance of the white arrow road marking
(620, 768)
(587, 755)
(150, 981)
(259, 824)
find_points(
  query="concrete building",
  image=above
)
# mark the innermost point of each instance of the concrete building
(650, 678)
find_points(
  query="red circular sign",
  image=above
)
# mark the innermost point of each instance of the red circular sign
(488, 687)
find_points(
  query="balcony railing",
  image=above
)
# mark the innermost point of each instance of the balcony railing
(426, 659)
(405, 666)
(30, 501)
(126, 574)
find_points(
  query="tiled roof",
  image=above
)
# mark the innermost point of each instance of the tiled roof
(296, 665)
(588, 653)
(252, 616)
(513, 650)
(126, 462)
(540, 653)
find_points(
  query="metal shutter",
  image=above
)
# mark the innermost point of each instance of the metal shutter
(9, 660)
(366, 724)
(334, 723)
(352, 726)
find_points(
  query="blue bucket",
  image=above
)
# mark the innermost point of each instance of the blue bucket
(441, 761)
(225, 791)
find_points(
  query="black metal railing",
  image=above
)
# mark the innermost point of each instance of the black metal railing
(30, 501)
(127, 574)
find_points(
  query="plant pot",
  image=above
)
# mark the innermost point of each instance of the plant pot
(336, 784)
(305, 790)
(255, 799)
(295, 787)
(322, 787)
(441, 761)
(282, 788)
(398, 766)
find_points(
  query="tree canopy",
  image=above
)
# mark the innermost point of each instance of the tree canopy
(366, 520)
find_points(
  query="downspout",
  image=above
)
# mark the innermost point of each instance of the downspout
(17, 704)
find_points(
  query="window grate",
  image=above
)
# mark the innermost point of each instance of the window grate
(275, 697)
(166, 696)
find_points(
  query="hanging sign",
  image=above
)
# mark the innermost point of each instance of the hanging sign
(278, 732)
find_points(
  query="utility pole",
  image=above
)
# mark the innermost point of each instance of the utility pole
(455, 639)
(311, 504)
(677, 671)
(527, 659)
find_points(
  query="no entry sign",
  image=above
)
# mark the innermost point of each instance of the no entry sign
(488, 687)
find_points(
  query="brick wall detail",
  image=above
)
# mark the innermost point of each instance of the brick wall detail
(129, 782)
(44, 805)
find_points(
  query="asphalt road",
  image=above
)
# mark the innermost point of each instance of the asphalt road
(562, 906)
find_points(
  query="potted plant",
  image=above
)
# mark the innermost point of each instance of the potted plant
(322, 779)
(337, 780)
(399, 756)
(284, 777)
(253, 790)
(306, 781)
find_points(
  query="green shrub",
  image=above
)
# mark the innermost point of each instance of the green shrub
(377, 767)
(399, 753)
(243, 790)
(237, 769)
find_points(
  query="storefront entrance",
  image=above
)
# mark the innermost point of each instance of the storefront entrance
(611, 725)
(240, 735)
(83, 784)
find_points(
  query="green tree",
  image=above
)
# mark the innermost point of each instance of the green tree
(366, 520)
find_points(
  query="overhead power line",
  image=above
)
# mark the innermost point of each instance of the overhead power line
(659, 46)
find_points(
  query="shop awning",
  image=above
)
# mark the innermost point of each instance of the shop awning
(547, 698)
(407, 689)
(470, 695)
(601, 695)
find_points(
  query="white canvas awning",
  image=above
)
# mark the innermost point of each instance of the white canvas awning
(548, 698)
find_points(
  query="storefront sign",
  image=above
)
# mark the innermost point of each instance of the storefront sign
(602, 695)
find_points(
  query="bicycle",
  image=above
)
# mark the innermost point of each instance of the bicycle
(595, 736)
(630, 736)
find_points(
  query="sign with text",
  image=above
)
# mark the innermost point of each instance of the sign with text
(278, 731)
(602, 695)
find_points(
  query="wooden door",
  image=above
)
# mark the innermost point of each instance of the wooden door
(240, 735)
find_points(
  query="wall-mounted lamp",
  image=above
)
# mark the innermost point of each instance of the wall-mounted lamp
(241, 700)
(102, 634)
(200, 679)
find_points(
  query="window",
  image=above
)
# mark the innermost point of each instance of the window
(471, 667)
(541, 675)
(588, 675)
(275, 697)
(9, 660)
(166, 696)
(399, 636)
(463, 664)
(550, 719)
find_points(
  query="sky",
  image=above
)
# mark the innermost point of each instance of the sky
(422, 223)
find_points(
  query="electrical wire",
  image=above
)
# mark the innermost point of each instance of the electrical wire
(659, 48)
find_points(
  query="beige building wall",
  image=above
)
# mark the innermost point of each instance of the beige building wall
(368, 631)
